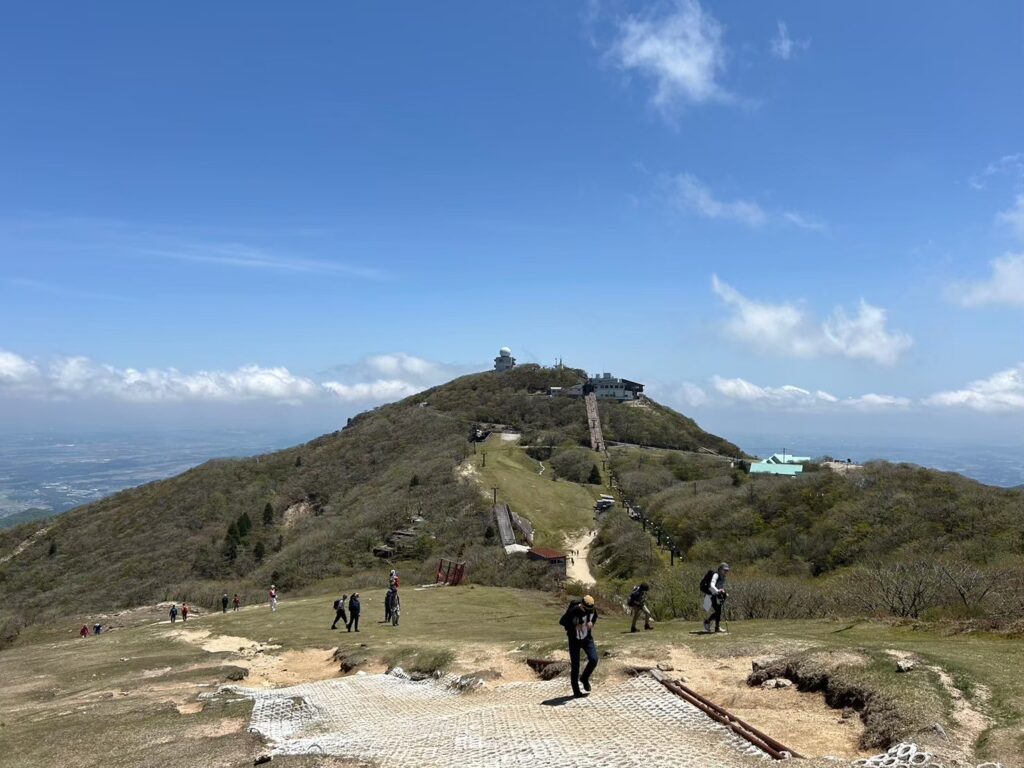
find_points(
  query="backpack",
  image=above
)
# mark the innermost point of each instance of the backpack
(337, 605)
(705, 583)
(634, 597)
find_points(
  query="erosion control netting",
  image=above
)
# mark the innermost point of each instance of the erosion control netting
(907, 755)
(401, 723)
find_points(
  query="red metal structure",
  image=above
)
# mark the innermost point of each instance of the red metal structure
(450, 572)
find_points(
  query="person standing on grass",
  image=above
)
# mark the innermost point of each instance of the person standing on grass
(184, 612)
(235, 601)
(396, 606)
(578, 621)
(638, 602)
(339, 612)
(713, 588)
(273, 597)
(224, 602)
(387, 604)
(173, 613)
(353, 612)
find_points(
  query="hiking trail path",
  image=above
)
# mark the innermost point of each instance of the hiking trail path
(578, 569)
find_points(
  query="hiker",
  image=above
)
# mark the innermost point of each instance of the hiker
(339, 612)
(173, 613)
(184, 611)
(273, 597)
(638, 602)
(224, 603)
(396, 607)
(387, 604)
(97, 628)
(353, 612)
(393, 579)
(578, 621)
(712, 586)
(235, 601)
(84, 631)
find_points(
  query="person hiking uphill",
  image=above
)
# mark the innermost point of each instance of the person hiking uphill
(712, 586)
(339, 612)
(353, 612)
(184, 611)
(273, 597)
(578, 621)
(638, 602)
(224, 602)
(173, 613)
(235, 601)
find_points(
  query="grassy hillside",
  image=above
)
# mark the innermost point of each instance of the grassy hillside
(887, 539)
(306, 513)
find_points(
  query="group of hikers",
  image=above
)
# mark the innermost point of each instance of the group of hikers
(581, 616)
(392, 606)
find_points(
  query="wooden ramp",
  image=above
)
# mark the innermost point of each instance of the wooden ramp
(503, 516)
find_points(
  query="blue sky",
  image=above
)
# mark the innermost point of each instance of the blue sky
(798, 216)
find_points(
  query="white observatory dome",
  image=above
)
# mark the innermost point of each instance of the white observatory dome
(505, 352)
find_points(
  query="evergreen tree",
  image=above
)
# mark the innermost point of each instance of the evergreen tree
(259, 551)
(53, 548)
(298, 461)
(268, 515)
(232, 534)
(595, 476)
(244, 524)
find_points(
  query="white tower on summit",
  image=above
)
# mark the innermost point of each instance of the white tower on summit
(504, 361)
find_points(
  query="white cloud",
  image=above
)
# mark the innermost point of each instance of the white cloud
(788, 330)
(16, 371)
(82, 377)
(689, 194)
(246, 257)
(382, 390)
(690, 394)
(377, 379)
(680, 50)
(1003, 391)
(804, 221)
(783, 46)
(1010, 165)
(793, 397)
(1013, 217)
(1004, 286)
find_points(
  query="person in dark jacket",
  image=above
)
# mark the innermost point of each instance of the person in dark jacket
(638, 603)
(715, 597)
(389, 597)
(578, 620)
(339, 612)
(353, 612)
(395, 605)
(224, 602)
(173, 613)
(236, 601)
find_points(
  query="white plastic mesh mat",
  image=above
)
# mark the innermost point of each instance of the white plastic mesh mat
(405, 724)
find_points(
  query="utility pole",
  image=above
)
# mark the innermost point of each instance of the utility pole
(495, 490)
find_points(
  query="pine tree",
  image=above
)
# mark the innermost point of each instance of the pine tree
(244, 524)
(268, 515)
(595, 475)
(233, 534)
(259, 551)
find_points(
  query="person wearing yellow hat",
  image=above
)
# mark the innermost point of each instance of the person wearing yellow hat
(578, 621)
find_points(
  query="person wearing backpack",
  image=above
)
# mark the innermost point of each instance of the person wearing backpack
(339, 612)
(173, 613)
(396, 605)
(578, 621)
(712, 586)
(353, 612)
(638, 602)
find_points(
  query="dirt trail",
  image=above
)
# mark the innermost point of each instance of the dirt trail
(577, 569)
(26, 544)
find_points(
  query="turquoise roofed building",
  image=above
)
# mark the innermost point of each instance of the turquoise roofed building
(779, 464)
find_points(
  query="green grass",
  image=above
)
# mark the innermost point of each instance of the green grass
(44, 676)
(554, 507)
